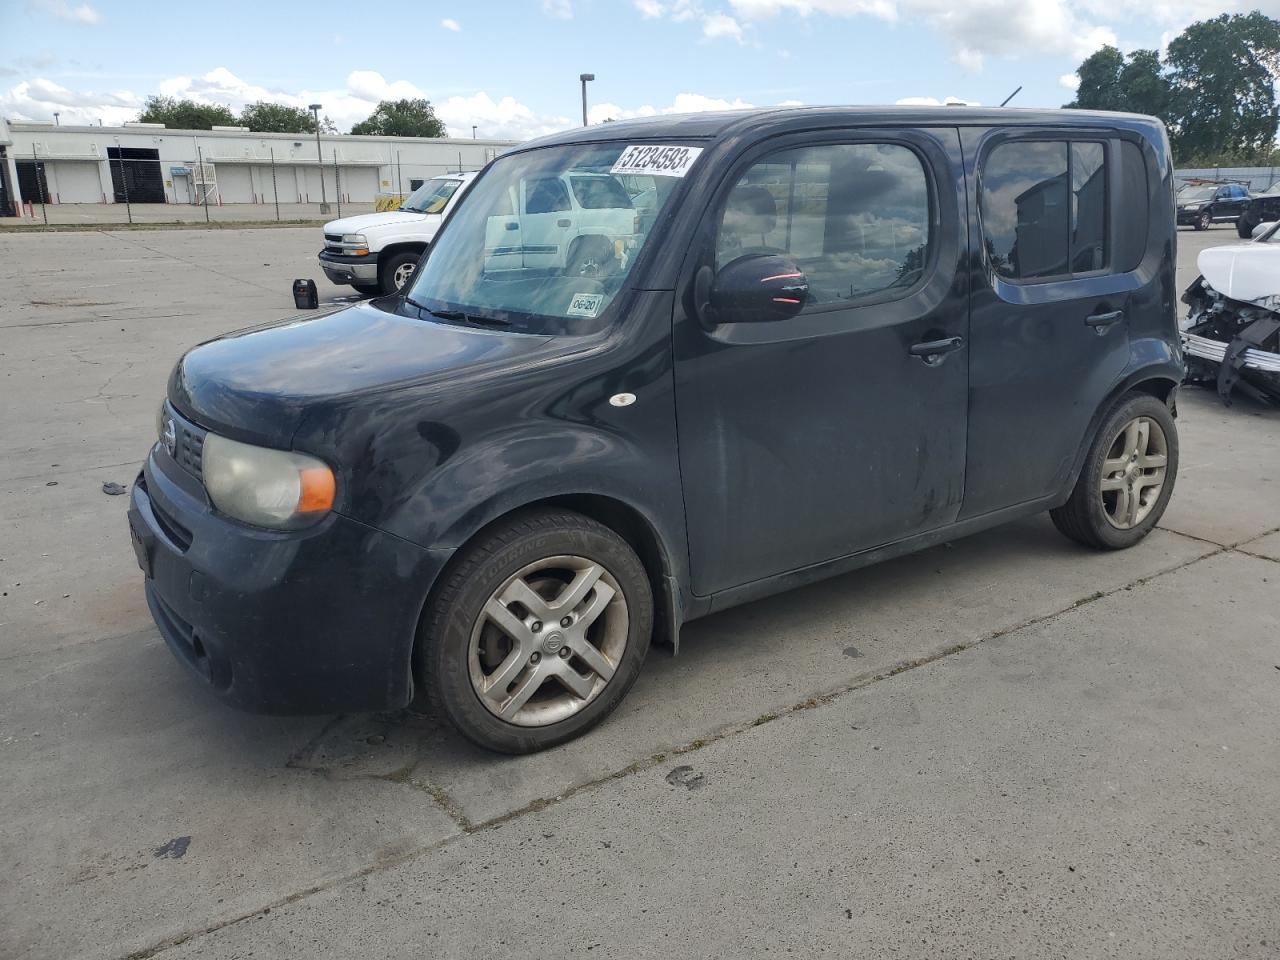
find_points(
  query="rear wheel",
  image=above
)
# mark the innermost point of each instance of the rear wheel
(1244, 228)
(591, 257)
(538, 632)
(1127, 477)
(397, 271)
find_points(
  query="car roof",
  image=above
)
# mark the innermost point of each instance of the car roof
(716, 124)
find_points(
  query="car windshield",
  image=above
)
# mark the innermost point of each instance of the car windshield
(546, 239)
(1272, 191)
(1197, 193)
(431, 196)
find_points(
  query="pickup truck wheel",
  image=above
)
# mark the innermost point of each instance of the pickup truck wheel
(1204, 221)
(395, 273)
(1127, 477)
(1244, 228)
(591, 257)
(367, 289)
(537, 633)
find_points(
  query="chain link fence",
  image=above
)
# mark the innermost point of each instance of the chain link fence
(125, 190)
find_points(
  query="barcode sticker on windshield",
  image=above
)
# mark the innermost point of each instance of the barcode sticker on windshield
(585, 304)
(656, 160)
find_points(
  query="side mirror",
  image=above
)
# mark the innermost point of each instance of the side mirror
(757, 288)
(1260, 229)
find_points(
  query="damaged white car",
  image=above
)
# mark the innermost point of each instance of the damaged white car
(1231, 335)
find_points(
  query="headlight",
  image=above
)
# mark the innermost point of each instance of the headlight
(280, 489)
(1190, 206)
(356, 238)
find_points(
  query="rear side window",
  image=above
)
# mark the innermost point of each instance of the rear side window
(600, 193)
(1134, 191)
(1044, 208)
(855, 217)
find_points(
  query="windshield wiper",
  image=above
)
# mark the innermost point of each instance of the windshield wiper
(456, 315)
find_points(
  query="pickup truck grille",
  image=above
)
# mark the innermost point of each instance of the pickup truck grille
(332, 238)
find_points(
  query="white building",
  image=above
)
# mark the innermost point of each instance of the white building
(154, 164)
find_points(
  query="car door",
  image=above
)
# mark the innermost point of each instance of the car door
(1061, 223)
(841, 428)
(546, 222)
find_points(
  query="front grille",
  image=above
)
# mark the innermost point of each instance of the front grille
(333, 238)
(190, 449)
(177, 534)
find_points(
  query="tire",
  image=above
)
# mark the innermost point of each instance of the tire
(368, 289)
(591, 257)
(1244, 228)
(392, 275)
(1115, 517)
(1204, 221)
(476, 671)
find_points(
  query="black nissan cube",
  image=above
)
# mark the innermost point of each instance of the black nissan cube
(652, 369)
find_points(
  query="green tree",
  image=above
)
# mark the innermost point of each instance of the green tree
(185, 114)
(401, 118)
(263, 117)
(1224, 73)
(1111, 81)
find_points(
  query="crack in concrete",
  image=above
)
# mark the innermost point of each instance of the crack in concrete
(467, 828)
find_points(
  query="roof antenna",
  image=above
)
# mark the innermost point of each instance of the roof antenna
(1012, 95)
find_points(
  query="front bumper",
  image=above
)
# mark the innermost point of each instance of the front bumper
(314, 621)
(340, 268)
(1187, 218)
(1215, 350)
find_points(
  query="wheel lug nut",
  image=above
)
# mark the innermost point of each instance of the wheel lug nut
(535, 657)
(567, 621)
(564, 653)
(537, 626)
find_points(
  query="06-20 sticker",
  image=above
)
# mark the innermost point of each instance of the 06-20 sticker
(585, 304)
(656, 160)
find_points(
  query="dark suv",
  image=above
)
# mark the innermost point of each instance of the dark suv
(835, 336)
(1262, 208)
(1204, 205)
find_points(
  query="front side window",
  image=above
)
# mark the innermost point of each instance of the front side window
(856, 218)
(545, 239)
(1044, 208)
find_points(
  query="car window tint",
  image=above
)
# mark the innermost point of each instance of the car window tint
(1134, 193)
(546, 196)
(1088, 207)
(1025, 219)
(855, 217)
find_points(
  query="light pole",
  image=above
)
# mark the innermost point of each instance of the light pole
(55, 119)
(324, 201)
(584, 77)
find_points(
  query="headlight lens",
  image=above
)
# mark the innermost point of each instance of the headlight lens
(356, 238)
(279, 489)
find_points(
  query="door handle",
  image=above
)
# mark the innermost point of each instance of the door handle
(932, 352)
(1103, 320)
(513, 225)
(564, 223)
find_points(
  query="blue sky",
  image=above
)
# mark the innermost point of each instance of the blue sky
(511, 67)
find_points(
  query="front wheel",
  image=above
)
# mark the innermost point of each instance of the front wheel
(1204, 221)
(538, 631)
(1244, 228)
(397, 271)
(1127, 477)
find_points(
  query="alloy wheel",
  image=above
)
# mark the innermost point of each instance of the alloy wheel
(402, 274)
(548, 641)
(1133, 473)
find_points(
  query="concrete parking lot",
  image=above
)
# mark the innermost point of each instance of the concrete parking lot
(1007, 746)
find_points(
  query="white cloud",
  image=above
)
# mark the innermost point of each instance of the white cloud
(1070, 81)
(450, 24)
(721, 25)
(560, 9)
(650, 9)
(497, 117)
(83, 13)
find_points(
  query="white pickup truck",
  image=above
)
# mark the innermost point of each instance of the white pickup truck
(377, 252)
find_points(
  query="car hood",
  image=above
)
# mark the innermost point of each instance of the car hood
(1249, 272)
(371, 221)
(257, 385)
